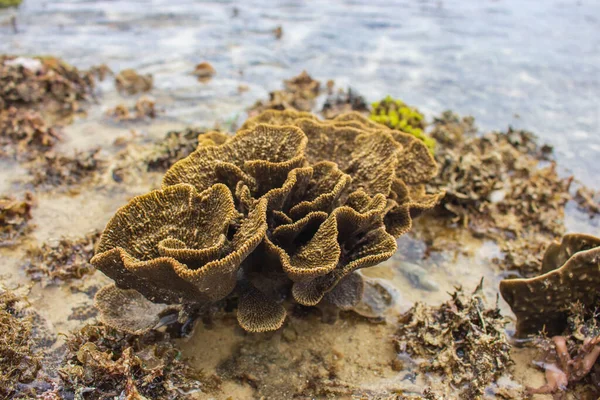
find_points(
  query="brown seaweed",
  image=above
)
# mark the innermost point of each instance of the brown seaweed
(14, 218)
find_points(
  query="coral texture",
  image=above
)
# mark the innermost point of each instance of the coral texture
(289, 207)
(570, 274)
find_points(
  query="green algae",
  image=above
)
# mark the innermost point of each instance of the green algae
(396, 114)
(10, 3)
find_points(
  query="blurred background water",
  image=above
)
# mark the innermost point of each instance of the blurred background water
(531, 64)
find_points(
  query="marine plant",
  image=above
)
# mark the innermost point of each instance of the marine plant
(397, 115)
(289, 208)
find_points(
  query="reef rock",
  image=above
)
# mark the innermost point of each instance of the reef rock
(290, 207)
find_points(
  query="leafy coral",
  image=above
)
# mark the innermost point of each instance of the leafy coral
(397, 115)
(569, 274)
(289, 207)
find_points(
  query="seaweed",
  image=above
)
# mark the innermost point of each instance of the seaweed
(103, 363)
(24, 134)
(14, 218)
(342, 102)
(462, 339)
(64, 260)
(58, 170)
(144, 108)
(502, 186)
(397, 115)
(19, 361)
(43, 81)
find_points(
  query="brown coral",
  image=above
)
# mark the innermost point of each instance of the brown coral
(288, 207)
(299, 94)
(130, 82)
(569, 275)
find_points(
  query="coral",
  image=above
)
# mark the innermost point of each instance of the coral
(569, 274)
(462, 339)
(130, 82)
(496, 188)
(289, 207)
(588, 200)
(14, 218)
(343, 102)
(57, 170)
(397, 115)
(103, 363)
(19, 362)
(24, 134)
(39, 80)
(204, 71)
(63, 260)
(299, 94)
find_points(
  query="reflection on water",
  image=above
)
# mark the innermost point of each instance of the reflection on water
(532, 64)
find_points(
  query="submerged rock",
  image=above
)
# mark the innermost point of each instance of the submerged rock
(288, 208)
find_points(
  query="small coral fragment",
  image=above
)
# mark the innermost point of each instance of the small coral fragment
(24, 134)
(299, 94)
(204, 71)
(570, 274)
(130, 82)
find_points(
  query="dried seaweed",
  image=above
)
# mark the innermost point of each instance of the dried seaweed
(497, 187)
(38, 81)
(103, 363)
(144, 108)
(64, 260)
(24, 134)
(57, 170)
(462, 339)
(19, 361)
(14, 218)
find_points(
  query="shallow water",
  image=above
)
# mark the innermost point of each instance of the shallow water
(490, 59)
(532, 64)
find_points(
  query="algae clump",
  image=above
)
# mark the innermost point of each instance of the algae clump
(397, 115)
(10, 3)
